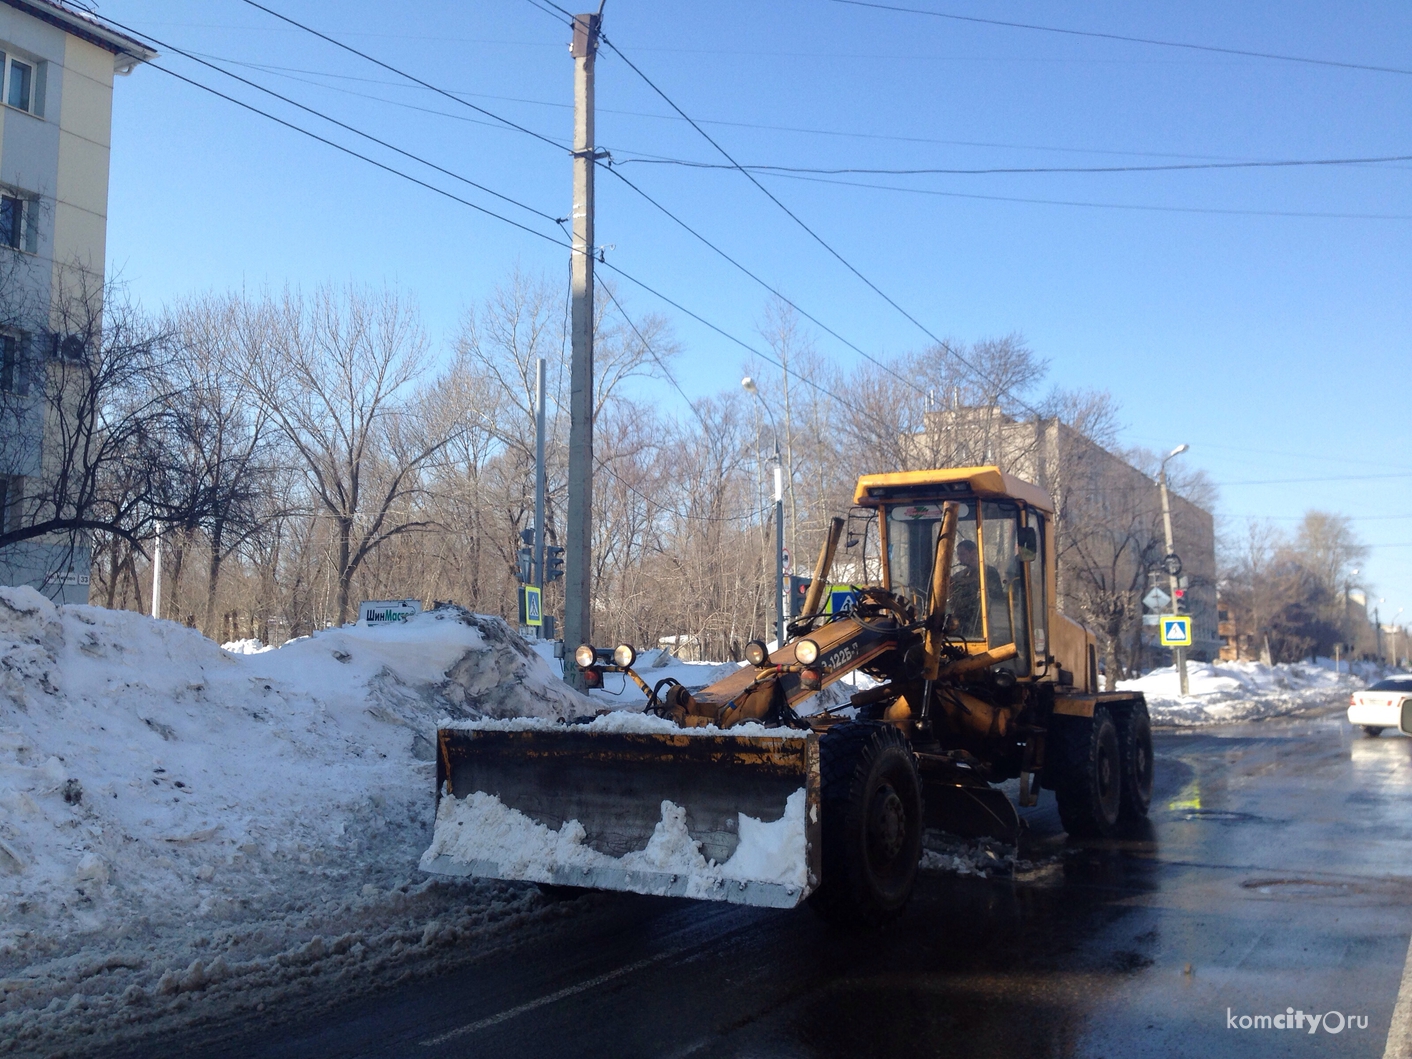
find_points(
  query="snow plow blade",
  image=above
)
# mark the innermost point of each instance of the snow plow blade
(717, 817)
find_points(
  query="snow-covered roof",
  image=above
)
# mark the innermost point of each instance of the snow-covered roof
(71, 18)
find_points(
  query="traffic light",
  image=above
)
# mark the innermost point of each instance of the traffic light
(526, 556)
(553, 563)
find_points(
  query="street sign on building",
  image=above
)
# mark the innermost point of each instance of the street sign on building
(388, 611)
(1175, 630)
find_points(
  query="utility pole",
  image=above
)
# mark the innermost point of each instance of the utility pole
(578, 627)
(539, 483)
(157, 576)
(1178, 652)
(750, 387)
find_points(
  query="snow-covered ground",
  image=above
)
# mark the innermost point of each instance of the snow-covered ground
(186, 829)
(1222, 692)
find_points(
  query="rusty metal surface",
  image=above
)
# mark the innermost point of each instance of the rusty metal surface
(614, 784)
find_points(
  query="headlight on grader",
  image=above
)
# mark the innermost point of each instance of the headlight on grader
(585, 656)
(624, 655)
(806, 652)
(756, 653)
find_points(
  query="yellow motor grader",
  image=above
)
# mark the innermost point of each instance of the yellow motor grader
(972, 678)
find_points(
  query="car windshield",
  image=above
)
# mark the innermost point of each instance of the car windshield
(1392, 684)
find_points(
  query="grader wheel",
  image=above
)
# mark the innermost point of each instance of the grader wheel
(871, 800)
(1089, 784)
(1135, 756)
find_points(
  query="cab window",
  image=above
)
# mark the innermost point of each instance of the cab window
(912, 530)
(1003, 576)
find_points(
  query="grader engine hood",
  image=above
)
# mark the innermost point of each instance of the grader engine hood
(709, 815)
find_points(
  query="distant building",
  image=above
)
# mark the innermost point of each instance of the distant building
(1109, 518)
(56, 103)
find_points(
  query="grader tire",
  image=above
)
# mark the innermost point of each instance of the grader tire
(1135, 756)
(871, 800)
(1089, 788)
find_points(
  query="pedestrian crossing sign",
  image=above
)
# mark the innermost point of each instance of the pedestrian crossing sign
(531, 610)
(1175, 630)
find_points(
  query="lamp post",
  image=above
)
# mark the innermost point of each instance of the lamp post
(1178, 652)
(749, 386)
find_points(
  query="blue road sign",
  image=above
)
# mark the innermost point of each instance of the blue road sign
(1175, 630)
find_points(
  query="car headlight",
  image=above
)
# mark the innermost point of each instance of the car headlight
(585, 656)
(756, 653)
(806, 652)
(624, 655)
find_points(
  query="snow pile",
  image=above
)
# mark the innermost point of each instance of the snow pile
(174, 816)
(480, 829)
(1222, 692)
(253, 646)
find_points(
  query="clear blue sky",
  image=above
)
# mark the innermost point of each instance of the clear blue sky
(1213, 306)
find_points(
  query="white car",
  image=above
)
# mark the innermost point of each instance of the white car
(1380, 705)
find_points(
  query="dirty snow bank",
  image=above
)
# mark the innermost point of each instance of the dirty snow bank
(481, 828)
(1223, 692)
(181, 824)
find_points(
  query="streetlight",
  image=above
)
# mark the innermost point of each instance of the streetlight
(748, 384)
(1178, 652)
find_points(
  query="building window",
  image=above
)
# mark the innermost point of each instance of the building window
(9, 363)
(22, 83)
(19, 222)
(12, 487)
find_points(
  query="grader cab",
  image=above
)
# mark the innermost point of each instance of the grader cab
(739, 791)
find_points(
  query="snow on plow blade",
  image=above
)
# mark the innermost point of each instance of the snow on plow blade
(716, 817)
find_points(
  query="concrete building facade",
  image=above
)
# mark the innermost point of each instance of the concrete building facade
(56, 100)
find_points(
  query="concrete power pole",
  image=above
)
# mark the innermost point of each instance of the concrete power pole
(539, 475)
(1179, 653)
(157, 576)
(578, 619)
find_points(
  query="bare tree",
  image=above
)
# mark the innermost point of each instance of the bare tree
(83, 424)
(337, 372)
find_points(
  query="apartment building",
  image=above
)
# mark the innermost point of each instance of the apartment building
(58, 63)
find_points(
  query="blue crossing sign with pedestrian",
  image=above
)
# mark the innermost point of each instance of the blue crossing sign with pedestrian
(531, 606)
(1175, 630)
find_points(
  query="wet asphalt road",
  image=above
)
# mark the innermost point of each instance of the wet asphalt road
(1276, 873)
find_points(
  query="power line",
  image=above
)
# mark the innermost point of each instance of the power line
(1337, 478)
(287, 71)
(371, 161)
(1130, 40)
(516, 224)
(1095, 205)
(793, 216)
(1004, 170)
(341, 124)
(402, 73)
(803, 312)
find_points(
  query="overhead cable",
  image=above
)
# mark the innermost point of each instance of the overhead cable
(402, 73)
(1131, 40)
(341, 124)
(1003, 170)
(799, 221)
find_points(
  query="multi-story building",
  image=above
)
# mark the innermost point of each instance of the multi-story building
(57, 68)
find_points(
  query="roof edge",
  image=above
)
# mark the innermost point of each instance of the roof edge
(128, 52)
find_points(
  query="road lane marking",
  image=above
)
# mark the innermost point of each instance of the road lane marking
(1399, 1034)
(551, 998)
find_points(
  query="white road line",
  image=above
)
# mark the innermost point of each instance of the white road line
(1399, 1034)
(568, 991)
